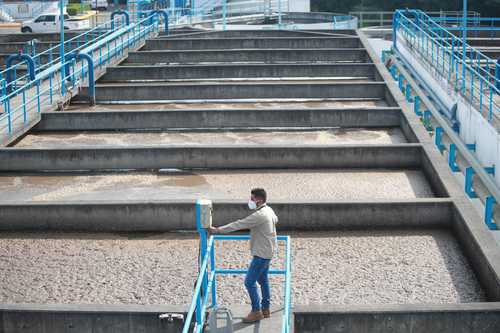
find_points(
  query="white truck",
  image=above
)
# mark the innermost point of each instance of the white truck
(51, 23)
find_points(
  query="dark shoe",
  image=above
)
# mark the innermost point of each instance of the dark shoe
(253, 317)
(266, 313)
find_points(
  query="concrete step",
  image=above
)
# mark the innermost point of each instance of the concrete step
(15, 47)
(241, 91)
(473, 33)
(282, 117)
(254, 43)
(484, 41)
(44, 58)
(43, 37)
(492, 52)
(248, 55)
(259, 33)
(178, 215)
(145, 157)
(187, 72)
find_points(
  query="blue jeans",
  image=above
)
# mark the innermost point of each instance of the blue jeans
(257, 272)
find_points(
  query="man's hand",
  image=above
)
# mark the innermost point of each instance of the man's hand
(213, 231)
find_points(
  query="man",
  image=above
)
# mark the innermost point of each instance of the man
(263, 244)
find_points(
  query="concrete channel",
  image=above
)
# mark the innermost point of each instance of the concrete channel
(375, 215)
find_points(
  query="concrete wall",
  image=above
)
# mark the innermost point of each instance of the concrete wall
(218, 91)
(216, 119)
(180, 215)
(43, 37)
(252, 33)
(479, 246)
(35, 318)
(404, 156)
(446, 318)
(475, 239)
(306, 42)
(266, 55)
(185, 72)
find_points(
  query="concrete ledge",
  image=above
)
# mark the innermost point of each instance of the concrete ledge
(248, 55)
(423, 318)
(239, 71)
(400, 156)
(475, 238)
(36, 318)
(180, 215)
(305, 42)
(217, 119)
(481, 249)
(255, 33)
(230, 90)
(43, 37)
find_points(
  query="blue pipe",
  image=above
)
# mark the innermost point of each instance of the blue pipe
(119, 12)
(20, 57)
(90, 65)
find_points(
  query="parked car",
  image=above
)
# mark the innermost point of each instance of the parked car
(98, 4)
(51, 23)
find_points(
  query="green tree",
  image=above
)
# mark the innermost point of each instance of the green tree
(487, 8)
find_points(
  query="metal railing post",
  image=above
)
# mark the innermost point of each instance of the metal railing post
(224, 14)
(464, 43)
(61, 44)
(497, 74)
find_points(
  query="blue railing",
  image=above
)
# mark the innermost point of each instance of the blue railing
(21, 104)
(206, 287)
(47, 58)
(474, 25)
(471, 73)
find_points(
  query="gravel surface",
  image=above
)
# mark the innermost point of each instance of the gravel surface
(345, 267)
(116, 139)
(292, 184)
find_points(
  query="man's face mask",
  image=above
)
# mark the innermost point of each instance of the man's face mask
(252, 204)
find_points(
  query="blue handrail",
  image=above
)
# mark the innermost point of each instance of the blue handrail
(206, 284)
(73, 44)
(442, 51)
(39, 94)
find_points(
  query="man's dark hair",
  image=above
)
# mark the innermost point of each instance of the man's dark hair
(259, 193)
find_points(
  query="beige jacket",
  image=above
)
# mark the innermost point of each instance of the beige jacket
(262, 226)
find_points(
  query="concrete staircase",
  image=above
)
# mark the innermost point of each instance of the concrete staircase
(14, 43)
(272, 67)
(314, 118)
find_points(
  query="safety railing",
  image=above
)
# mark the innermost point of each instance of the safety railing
(474, 25)
(205, 292)
(461, 157)
(466, 69)
(50, 56)
(50, 86)
(385, 18)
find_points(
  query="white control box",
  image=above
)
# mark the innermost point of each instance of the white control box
(204, 213)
